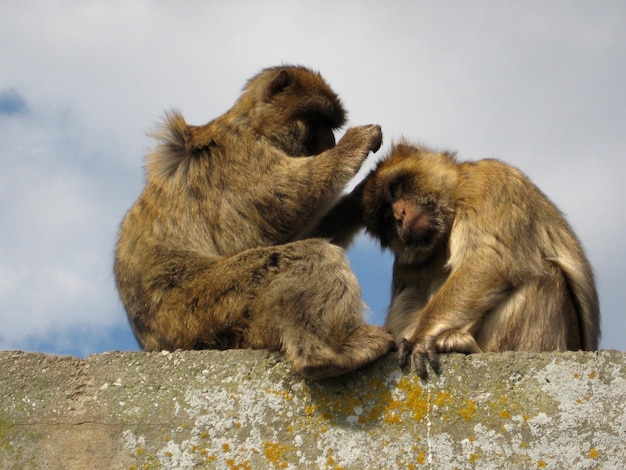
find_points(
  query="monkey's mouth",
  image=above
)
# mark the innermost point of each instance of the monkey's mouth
(424, 242)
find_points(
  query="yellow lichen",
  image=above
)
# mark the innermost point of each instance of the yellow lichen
(281, 393)
(592, 375)
(241, 466)
(443, 399)
(392, 419)
(469, 411)
(380, 401)
(505, 414)
(473, 457)
(367, 407)
(415, 402)
(542, 464)
(593, 453)
(274, 453)
(421, 457)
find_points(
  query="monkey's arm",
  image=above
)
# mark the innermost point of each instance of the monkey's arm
(321, 178)
(467, 295)
(331, 170)
(344, 220)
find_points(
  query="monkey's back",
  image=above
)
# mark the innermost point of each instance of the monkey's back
(503, 213)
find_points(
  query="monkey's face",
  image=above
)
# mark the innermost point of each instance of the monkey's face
(295, 110)
(407, 206)
(305, 136)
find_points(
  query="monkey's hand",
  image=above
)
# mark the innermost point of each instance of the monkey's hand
(359, 141)
(423, 352)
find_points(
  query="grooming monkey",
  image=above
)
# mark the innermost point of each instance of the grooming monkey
(483, 260)
(225, 247)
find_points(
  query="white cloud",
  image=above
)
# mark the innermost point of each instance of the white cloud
(539, 85)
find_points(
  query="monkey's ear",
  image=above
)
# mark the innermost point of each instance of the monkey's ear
(281, 81)
(404, 150)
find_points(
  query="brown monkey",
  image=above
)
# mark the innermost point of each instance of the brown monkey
(483, 260)
(217, 252)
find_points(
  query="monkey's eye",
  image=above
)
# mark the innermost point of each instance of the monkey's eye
(394, 190)
(302, 129)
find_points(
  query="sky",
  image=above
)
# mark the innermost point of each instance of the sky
(540, 85)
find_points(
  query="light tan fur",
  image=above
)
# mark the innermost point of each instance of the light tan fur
(483, 260)
(228, 245)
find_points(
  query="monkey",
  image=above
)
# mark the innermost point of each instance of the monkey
(236, 241)
(483, 260)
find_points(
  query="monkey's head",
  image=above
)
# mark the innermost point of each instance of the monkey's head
(408, 201)
(294, 108)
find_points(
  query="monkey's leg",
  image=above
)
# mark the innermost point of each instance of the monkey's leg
(537, 316)
(462, 301)
(314, 304)
(301, 298)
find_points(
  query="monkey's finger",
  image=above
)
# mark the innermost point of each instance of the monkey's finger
(421, 365)
(433, 359)
(378, 142)
(404, 349)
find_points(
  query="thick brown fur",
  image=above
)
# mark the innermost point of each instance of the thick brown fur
(483, 260)
(228, 245)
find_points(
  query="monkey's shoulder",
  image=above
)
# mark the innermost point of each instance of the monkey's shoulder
(492, 181)
(491, 169)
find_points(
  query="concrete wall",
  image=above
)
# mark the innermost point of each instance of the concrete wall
(247, 410)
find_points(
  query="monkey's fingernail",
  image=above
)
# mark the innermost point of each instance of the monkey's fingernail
(401, 359)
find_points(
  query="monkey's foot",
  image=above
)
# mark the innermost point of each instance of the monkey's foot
(364, 344)
(457, 341)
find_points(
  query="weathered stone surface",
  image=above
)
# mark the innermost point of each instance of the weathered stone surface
(246, 409)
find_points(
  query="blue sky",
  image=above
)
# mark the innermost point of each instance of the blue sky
(537, 84)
